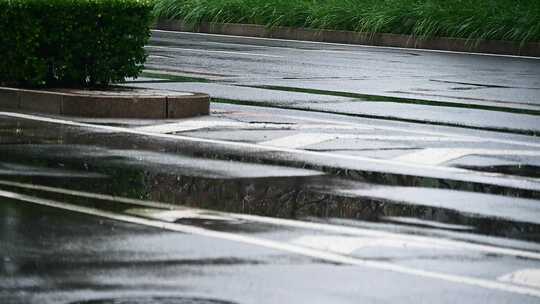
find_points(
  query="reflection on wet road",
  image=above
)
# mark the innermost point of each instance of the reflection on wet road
(99, 215)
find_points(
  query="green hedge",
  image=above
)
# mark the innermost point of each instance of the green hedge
(76, 43)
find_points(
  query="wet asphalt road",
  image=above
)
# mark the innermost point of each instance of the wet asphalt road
(83, 219)
(462, 78)
(408, 85)
(279, 196)
(51, 257)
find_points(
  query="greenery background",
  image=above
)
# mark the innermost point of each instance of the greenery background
(514, 20)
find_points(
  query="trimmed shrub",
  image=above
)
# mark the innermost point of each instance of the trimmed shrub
(72, 43)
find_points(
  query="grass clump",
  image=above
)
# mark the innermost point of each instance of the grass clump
(514, 20)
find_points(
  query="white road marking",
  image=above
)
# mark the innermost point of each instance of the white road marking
(431, 156)
(98, 196)
(406, 138)
(350, 45)
(275, 245)
(527, 277)
(188, 125)
(371, 164)
(192, 125)
(331, 127)
(417, 131)
(208, 51)
(306, 139)
(350, 244)
(433, 224)
(337, 229)
(437, 156)
(174, 215)
(340, 229)
(300, 140)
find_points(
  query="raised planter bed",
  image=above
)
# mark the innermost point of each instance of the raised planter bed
(348, 37)
(116, 102)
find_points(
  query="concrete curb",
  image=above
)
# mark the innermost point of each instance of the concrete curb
(349, 37)
(116, 103)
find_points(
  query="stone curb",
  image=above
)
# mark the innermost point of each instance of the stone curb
(348, 37)
(122, 103)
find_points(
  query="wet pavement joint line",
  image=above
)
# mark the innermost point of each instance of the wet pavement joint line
(295, 249)
(419, 169)
(338, 229)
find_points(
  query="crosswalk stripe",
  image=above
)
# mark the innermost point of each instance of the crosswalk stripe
(188, 125)
(349, 244)
(473, 138)
(437, 156)
(300, 140)
(305, 139)
(527, 277)
(192, 125)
